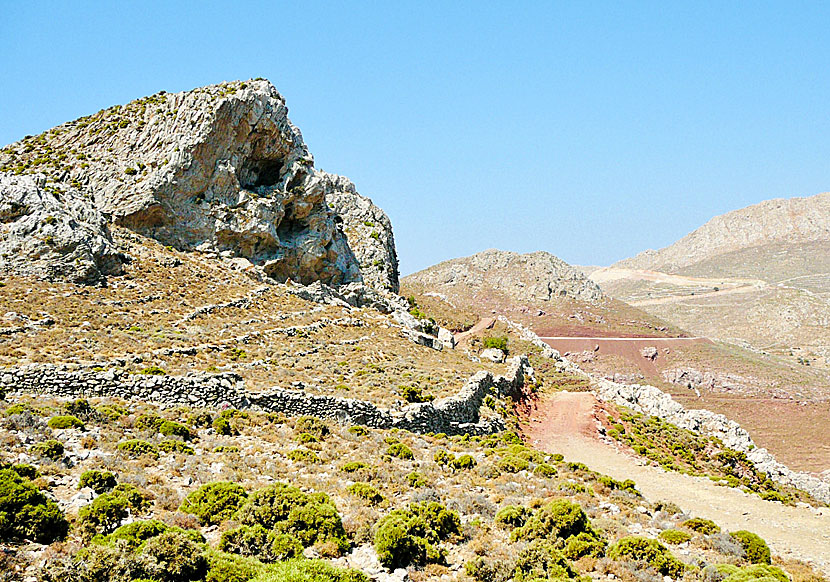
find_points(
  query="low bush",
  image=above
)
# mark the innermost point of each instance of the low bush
(463, 462)
(649, 551)
(223, 426)
(585, 544)
(353, 466)
(512, 464)
(214, 502)
(98, 481)
(200, 419)
(544, 470)
(102, 516)
(172, 428)
(148, 421)
(309, 571)
(226, 449)
(173, 557)
(176, 447)
(25, 513)
(136, 448)
(358, 430)
(400, 450)
(133, 535)
(58, 422)
(304, 456)
(701, 526)
(415, 394)
(498, 342)
(366, 492)
(541, 560)
(412, 535)
(675, 536)
(753, 573)
(309, 517)
(755, 548)
(256, 541)
(416, 480)
(51, 449)
(224, 567)
(512, 516)
(558, 519)
(311, 425)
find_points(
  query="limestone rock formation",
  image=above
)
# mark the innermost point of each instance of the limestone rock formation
(537, 276)
(45, 236)
(368, 231)
(216, 169)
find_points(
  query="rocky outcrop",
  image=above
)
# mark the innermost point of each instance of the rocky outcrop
(791, 221)
(51, 234)
(532, 277)
(458, 414)
(368, 232)
(218, 169)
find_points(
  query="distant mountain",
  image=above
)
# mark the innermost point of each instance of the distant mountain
(791, 221)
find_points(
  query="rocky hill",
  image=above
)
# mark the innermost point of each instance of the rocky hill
(537, 276)
(219, 169)
(792, 221)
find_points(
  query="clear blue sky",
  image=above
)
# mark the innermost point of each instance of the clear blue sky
(590, 130)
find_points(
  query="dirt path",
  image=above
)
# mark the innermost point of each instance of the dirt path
(564, 423)
(682, 298)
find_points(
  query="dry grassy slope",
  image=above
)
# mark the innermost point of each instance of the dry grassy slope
(357, 354)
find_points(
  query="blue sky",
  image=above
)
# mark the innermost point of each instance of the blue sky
(590, 130)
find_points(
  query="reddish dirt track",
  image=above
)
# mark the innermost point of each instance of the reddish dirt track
(565, 423)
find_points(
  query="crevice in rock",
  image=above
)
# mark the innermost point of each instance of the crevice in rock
(256, 173)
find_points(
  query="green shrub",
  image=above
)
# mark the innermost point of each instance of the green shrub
(59, 422)
(214, 502)
(366, 492)
(130, 171)
(400, 451)
(304, 456)
(256, 541)
(132, 535)
(358, 430)
(51, 449)
(512, 464)
(153, 371)
(19, 408)
(102, 516)
(675, 536)
(176, 447)
(134, 498)
(544, 470)
(701, 525)
(512, 516)
(111, 412)
(173, 557)
(304, 438)
(415, 394)
(98, 481)
(613, 484)
(310, 517)
(148, 421)
(226, 449)
(136, 448)
(416, 480)
(540, 560)
(353, 466)
(463, 462)
(26, 471)
(311, 425)
(200, 419)
(222, 426)
(585, 544)
(498, 342)
(25, 513)
(172, 428)
(754, 546)
(224, 567)
(649, 551)
(79, 407)
(309, 571)
(412, 536)
(560, 518)
(753, 573)
(442, 457)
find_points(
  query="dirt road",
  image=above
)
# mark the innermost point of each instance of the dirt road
(564, 423)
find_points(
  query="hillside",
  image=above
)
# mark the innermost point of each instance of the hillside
(207, 375)
(758, 277)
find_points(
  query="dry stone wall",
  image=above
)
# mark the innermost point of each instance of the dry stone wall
(459, 414)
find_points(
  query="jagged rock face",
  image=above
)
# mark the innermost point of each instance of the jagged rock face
(794, 220)
(216, 169)
(368, 231)
(49, 237)
(537, 276)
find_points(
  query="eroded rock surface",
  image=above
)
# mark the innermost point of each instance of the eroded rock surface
(216, 169)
